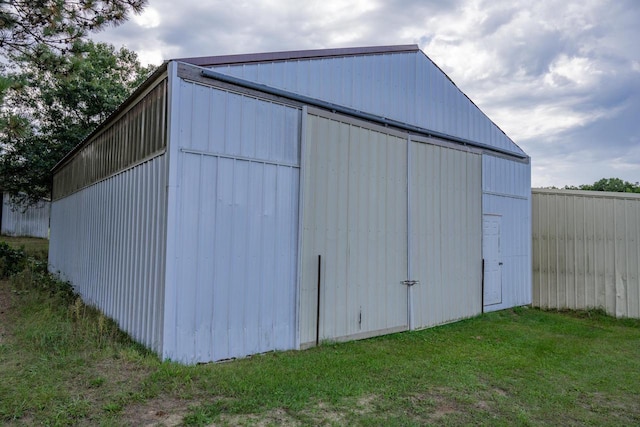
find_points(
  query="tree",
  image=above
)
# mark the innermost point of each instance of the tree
(54, 103)
(609, 184)
(57, 24)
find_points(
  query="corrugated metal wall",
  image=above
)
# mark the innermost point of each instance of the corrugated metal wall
(236, 226)
(446, 237)
(108, 217)
(506, 187)
(137, 134)
(108, 240)
(586, 251)
(403, 86)
(32, 222)
(355, 217)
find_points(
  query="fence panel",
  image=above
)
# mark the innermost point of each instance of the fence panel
(586, 251)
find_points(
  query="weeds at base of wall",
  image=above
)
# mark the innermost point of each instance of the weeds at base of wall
(12, 260)
(35, 287)
(62, 362)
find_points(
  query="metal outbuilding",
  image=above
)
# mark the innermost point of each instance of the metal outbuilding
(24, 220)
(248, 203)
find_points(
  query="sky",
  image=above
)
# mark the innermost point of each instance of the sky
(560, 77)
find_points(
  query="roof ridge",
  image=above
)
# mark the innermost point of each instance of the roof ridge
(297, 54)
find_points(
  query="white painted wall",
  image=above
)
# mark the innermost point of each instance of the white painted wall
(355, 217)
(506, 187)
(446, 233)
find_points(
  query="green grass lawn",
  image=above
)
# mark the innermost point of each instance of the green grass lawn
(62, 363)
(38, 248)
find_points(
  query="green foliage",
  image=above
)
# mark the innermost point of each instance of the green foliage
(32, 246)
(53, 103)
(25, 24)
(12, 260)
(609, 184)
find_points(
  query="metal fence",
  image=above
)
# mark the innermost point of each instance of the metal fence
(586, 251)
(32, 221)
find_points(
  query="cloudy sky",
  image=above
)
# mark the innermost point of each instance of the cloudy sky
(560, 77)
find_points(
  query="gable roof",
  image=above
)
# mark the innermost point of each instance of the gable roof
(400, 83)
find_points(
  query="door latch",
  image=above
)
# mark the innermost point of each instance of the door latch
(410, 282)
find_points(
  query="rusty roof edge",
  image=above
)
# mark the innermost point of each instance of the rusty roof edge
(296, 54)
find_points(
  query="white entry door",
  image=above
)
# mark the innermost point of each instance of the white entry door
(492, 259)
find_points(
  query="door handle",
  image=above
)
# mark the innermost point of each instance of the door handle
(499, 263)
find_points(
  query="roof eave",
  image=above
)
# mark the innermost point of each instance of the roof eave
(205, 61)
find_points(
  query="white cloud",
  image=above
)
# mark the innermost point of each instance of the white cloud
(149, 18)
(558, 76)
(578, 71)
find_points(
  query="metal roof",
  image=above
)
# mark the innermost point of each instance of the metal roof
(204, 61)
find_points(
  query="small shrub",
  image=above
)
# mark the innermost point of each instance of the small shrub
(35, 278)
(12, 260)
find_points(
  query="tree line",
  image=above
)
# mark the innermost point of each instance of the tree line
(609, 184)
(56, 85)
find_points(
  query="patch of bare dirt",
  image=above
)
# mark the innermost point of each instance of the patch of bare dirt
(321, 414)
(161, 411)
(275, 417)
(435, 405)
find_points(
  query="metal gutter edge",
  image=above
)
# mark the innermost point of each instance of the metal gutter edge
(353, 112)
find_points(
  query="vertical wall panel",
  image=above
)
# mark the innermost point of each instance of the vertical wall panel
(237, 262)
(236, 226)
(506, 186)
(108, 241)
(446, 234)
(31, 222)
(586, 247)
(354, 216)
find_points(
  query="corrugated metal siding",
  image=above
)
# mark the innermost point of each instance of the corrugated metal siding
(586, 251)
(403, 86)
(32, 222)
(506, 188)
(355, 217)
(108, 240)
(236, 226)
(446, 237)
(138, 134)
